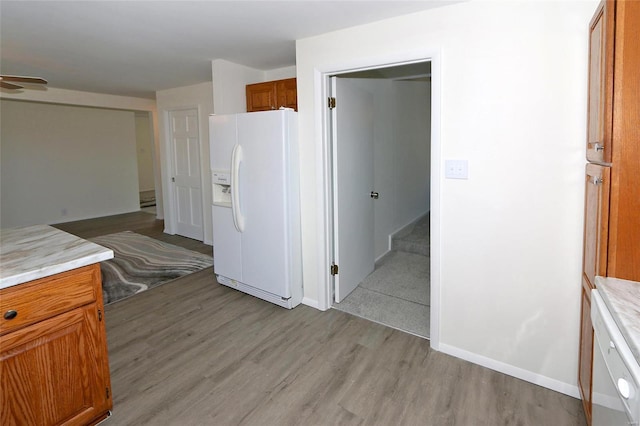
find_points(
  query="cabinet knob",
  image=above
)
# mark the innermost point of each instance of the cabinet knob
(597, 146)
(10, 314)
(596, 181)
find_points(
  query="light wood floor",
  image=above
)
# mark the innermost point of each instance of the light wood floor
(192, 352)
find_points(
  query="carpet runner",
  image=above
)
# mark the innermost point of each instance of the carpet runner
(141, 263)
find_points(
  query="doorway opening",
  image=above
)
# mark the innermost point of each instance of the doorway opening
(145, 150)
(381, 192)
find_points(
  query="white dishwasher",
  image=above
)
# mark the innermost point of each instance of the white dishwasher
(616, 373)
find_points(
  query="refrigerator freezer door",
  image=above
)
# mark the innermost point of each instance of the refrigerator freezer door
(263, 188)
(227, 251)
(227, 257)
(222, 136)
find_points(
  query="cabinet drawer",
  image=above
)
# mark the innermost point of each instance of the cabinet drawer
(46, 297)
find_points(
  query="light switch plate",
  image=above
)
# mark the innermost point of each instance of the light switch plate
(456, 169)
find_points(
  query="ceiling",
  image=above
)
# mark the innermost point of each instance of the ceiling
(134, 48)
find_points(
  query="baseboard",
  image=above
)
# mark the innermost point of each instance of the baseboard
(526, 375)
(311, 302)
(382, 256)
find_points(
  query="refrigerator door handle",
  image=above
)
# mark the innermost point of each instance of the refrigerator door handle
(236, 161)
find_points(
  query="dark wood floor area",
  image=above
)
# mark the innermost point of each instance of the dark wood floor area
(140, 222)
(193, 352)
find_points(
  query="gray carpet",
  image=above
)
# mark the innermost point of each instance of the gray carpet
(397, 293)
(140, 263)
(401, 275)
(391, 311)
(414, 239)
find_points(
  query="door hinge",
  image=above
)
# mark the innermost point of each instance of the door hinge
(107, 392)
(332, 103)
(99, 315)
(334, 269)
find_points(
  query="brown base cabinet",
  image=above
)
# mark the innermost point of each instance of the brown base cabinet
(54, 367)
(612, 191)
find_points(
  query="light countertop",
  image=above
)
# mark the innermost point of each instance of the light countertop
(39, 251)
(622, 297)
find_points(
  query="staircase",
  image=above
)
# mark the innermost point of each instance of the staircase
(414, 238)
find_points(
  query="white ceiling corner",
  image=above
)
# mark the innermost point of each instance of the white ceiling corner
(135, 48)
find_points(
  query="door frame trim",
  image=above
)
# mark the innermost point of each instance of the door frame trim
(170, 216)
(325, 169)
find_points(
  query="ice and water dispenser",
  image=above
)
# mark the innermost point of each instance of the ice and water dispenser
(221, 188)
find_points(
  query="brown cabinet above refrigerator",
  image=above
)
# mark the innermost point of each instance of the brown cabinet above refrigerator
(271, 95)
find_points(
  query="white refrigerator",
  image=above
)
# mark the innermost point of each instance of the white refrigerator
(256, 204)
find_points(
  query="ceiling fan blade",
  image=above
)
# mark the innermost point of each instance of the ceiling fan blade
(6, 85)
(22, 79)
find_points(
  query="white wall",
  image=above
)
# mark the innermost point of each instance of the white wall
(280, 73)
(401, 154)
(99, 100)
(144, 150)
(513, 93)
(229, 85)
(195, 96)
(412, 132)
(62, 163)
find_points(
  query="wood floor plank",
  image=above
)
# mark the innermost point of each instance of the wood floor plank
(193, 352)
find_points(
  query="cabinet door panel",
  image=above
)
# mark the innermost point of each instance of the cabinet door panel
(586, 354)
(601, 38)
(596, 222)
(287, 93)
(261, 97)
(51, 372)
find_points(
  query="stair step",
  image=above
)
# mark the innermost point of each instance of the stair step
(417, 247)
(414, 239)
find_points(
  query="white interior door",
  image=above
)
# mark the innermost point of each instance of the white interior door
(185, 143)
(352, 185)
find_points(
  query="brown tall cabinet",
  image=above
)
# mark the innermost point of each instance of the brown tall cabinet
(612, 178)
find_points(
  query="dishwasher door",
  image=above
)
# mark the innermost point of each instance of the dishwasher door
(616, 374)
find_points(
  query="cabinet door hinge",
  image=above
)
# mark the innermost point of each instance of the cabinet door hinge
(334, 269)
(332, 103)
(107, 392)
(99, 315)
